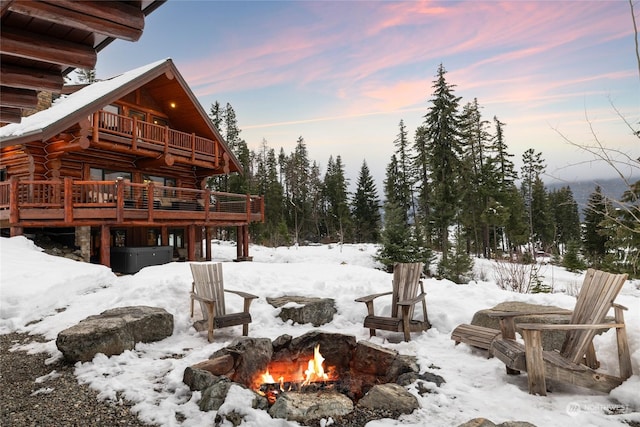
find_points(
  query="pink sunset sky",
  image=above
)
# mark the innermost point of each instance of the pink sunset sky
(342, 74)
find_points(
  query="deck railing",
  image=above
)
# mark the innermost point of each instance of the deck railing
(154, 137)
(122, 199)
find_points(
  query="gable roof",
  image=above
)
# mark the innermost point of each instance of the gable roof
(70, 109)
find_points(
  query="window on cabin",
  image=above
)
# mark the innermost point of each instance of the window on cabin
(159, 121)
(163, 181)
(3, 175)
(108, 175)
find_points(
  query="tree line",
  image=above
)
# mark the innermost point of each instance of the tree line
(450, 193)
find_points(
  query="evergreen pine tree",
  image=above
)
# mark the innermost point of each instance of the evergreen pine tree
(594, 238)
(533, 166)
(366, 208)
(566, 218)
(442, 140)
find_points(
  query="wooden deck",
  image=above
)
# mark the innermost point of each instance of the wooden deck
(69, 202)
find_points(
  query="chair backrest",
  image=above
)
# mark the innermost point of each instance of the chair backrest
(598, 292)
(406, 285)
(208, 283)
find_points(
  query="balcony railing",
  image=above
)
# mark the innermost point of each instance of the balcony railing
(149, 136)
(68, 202)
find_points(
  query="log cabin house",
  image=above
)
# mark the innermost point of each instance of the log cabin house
(122, 165)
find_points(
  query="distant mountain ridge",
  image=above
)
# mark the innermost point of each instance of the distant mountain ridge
(611, 187)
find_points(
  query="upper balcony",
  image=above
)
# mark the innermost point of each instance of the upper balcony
(154, 141)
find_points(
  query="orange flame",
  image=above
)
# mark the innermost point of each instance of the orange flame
(292, 373)
(315, 371)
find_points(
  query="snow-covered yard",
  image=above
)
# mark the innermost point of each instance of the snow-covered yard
(43, 294)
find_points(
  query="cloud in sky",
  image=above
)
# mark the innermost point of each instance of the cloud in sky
(296, 68)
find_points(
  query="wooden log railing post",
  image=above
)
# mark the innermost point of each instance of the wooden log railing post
(193, 147)
(95, 137)
(119, 199)
(14, 200)
(207, 204)
(134, 134)
(68, 200)
(150, 200)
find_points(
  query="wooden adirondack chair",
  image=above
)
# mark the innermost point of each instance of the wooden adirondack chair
(407, 292)
(575, 363)
(208, 289)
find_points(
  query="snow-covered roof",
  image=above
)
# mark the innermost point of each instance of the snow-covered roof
(67, 105)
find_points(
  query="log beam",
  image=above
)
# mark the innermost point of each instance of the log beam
(31, 78)
(18, 98)
(163, 160)
(10, 115)
(28, 45)
(113, 19)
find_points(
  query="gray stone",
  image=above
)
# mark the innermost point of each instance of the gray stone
(198, 379)
(483, 422)
(295, 406)
(551, 340)
(114, 331)
(390, 397)
(373, 359)
(251, 356)
(478, 422)
(213, 396)
(316, 311)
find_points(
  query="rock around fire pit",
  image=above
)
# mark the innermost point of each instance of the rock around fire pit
(314, 376)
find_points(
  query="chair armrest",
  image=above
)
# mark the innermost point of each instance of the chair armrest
(244, 295)
(506, 314)
(370, 298)
(202, 299)
(413, 301)
(567, 326)
(620, 306)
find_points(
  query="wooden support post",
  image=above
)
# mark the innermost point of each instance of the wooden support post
(535, 362)
(164, 235)
(105, 245)
(68, 200)
(239, 245)
(245, 242)
(207, 240)
(15, 231)
(191, 243)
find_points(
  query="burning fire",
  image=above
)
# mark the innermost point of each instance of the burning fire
(292, 376)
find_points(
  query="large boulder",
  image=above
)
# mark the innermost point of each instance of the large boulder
(298, 309)
(551, 340)
(114, 331)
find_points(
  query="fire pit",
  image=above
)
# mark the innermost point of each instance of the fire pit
(309, 377)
